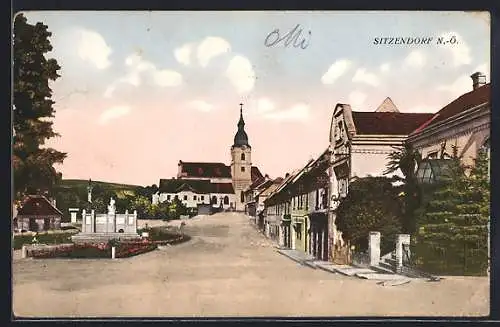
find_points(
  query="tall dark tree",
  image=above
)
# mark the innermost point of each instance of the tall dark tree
(453, 234)
(33, 163)
(406, 159)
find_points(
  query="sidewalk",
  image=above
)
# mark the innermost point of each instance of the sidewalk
(346, 270)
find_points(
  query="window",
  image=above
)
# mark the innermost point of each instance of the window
(226, 200)
(242, 196)
(202, 198)
(185, 197)
(214, 199)
(168, 197)
(176, 197)
(242, 157)
(194, 197)
(242, 169)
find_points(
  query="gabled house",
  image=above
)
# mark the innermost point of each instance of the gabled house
(37, 213)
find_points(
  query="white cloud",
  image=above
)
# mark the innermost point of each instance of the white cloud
(297, 112)
(113, 113)
(241, 74)
(183, 54)
(211, 47)
(460, 51)
(93, 48)
(415, 59)
(137, 67)
(166, 78)
(264, 105)
(356, 98)
(201, 105)
(361, 76)
(461, 85)
(336, 70)
(385, 67)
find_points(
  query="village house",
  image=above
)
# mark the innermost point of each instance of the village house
(359, 145)
(218, 184)
(199, 194)
(37, 213)
(271, 226)
(277, 211)
(252, 204)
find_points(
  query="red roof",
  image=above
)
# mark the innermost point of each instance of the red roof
(388, 123)
(38, 205)
(212, 170)
(466, 101)
(205, 169)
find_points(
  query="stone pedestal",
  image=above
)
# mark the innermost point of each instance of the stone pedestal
(374, 248)
(402, 240)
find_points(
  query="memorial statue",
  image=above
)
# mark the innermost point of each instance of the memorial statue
(111, 206)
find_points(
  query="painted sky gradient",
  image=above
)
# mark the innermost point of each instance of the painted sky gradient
(141, 90)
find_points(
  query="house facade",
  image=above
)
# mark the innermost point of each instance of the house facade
(198, 184)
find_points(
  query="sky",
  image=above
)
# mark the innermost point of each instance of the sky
(140, 91)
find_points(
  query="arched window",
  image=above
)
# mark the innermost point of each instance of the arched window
(226, 200)
(243, 157)
(242, 197)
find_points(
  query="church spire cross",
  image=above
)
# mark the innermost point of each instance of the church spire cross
(241, 137)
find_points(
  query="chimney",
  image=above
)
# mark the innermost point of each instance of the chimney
(478, 80)
(286, 175)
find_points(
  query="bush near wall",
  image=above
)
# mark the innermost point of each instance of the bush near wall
(56, 237)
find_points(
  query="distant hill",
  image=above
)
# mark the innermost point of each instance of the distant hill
(80, 183)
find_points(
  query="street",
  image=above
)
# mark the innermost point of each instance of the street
(227, 269)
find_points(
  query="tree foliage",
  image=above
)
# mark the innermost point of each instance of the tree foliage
(33, 163)
(372, 204)
(453, 235)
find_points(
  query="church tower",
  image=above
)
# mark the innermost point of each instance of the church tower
(241, 163)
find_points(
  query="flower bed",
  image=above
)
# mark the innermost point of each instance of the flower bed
(129, 249)
(89, 250)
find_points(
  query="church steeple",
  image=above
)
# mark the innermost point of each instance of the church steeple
(241, 137)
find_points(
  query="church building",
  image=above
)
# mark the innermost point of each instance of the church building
(198, 184)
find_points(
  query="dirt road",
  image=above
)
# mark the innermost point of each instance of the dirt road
(227, 269)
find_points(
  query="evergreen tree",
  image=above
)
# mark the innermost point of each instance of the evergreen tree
(453, 233)
(33, 164)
